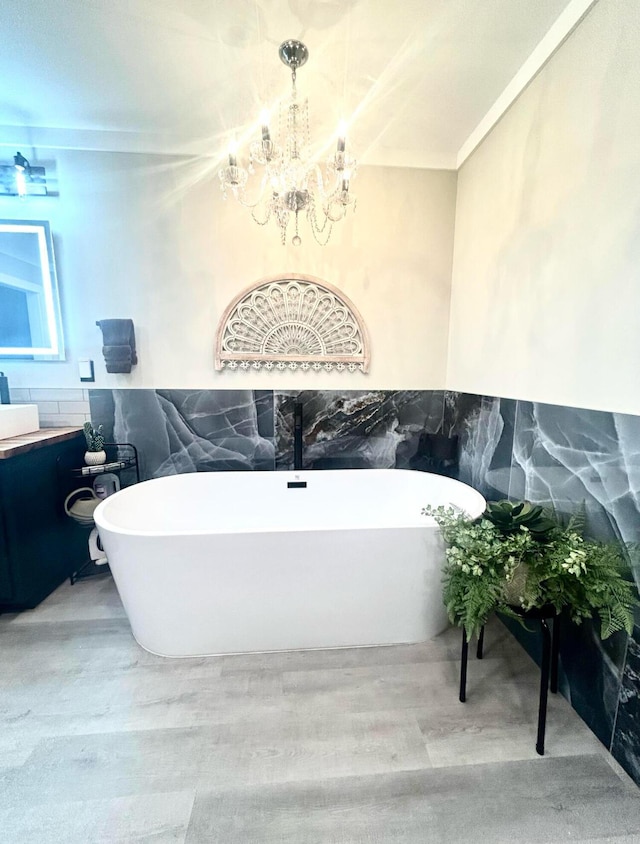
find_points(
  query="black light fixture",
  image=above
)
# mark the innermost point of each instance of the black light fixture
(23, 171)
(22, 178)
(20, 162)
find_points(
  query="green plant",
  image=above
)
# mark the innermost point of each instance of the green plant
(510, 516)
(93, 436)
(490, 569)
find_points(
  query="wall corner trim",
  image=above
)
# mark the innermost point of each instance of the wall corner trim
(560, 30)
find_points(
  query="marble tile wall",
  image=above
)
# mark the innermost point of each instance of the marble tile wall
(507, 448)
(356, 429)
(190, 430)
(218, 430)
(572, 457)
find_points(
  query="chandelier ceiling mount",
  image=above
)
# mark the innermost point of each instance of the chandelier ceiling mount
(293, 53)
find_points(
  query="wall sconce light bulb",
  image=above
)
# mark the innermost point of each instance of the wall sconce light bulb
(342, 135)
(264, 120)
(21, 182)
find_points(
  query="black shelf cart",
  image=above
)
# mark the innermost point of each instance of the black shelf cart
(122, 459)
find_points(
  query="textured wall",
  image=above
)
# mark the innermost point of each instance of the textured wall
(545, 291)
(151, 238)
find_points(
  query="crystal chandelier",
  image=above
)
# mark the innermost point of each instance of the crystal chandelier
(292, 182)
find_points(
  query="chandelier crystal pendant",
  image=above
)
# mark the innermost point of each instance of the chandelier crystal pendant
(292, 181)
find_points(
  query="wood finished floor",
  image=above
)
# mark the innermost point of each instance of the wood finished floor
(102, 742)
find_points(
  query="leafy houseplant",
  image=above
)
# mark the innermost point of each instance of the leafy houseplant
(510, 516)
(517, 558)
(95, 453)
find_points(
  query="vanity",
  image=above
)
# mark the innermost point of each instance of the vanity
(39, 545)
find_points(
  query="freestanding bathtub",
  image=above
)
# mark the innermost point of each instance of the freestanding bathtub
(226, 562)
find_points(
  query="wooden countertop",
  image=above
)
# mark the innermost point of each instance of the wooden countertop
(37, 439)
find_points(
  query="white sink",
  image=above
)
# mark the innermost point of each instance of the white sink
(18, 419)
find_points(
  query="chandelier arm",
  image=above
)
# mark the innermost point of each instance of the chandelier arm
(261, 195)
(327, 200)
(320, 181)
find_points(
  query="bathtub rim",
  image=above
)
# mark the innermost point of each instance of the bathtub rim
(421, 521)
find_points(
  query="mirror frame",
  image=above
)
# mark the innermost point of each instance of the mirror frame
(55, 350)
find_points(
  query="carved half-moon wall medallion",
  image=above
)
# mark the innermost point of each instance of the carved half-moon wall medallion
(292, 322)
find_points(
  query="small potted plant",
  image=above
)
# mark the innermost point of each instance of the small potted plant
(95, 454)
(520, 560)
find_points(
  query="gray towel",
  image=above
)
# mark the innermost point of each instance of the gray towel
(113, 353)
(119, 347)
(119, 366)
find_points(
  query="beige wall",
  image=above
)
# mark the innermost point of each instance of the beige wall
(546, 279)
(147, 237)
(545, 299)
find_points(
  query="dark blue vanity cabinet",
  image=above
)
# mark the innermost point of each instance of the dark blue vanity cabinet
(39, 545)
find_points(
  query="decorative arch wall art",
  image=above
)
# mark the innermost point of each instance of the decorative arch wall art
(292, 322)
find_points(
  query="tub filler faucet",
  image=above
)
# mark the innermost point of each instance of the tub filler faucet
(297, 436)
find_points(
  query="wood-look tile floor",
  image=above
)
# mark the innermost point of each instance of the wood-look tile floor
(102, 742)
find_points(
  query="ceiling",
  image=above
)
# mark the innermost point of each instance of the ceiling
(413, 78)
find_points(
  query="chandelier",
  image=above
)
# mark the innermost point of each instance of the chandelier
(292, 181)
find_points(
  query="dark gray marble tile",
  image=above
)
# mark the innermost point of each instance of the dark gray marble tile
(592, 672)
(545, 800)
(102, 408)
(458, 410)
(589, 678)
(567, 455)
(485, 426)
(356, 429)
(626, 739)
(265, 414)
(189, 430)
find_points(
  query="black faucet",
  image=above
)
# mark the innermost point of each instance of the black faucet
(297, 435)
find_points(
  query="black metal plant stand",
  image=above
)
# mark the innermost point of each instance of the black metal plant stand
(548, 668)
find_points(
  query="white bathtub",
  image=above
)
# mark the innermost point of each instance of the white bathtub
(226, 562)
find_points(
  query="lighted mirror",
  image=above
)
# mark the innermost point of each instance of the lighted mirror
(30, 321)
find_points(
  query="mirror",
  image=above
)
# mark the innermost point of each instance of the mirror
(30, 320)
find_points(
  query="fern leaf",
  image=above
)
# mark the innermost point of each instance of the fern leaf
(578, 520)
